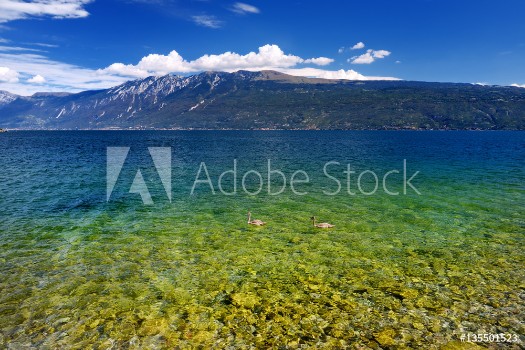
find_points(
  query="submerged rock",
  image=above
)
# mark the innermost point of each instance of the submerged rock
(457, 345)
(385, 337)
(247, 300)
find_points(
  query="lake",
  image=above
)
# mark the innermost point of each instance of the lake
(128, 238)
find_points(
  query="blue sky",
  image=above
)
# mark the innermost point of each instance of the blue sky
(74, 45)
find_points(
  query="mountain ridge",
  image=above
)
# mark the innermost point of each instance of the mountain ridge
(269, 100)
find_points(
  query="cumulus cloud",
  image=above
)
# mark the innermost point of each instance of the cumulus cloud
(369, 57)
(320, 61)
(37, 79)
(126, 70)
(365, 58)
(518, 85)
(242, 8)
(17, 9)
(8, 75)
(328, 74)
(267, 57)
(380, 53)
(207, 21)
(341, 49)
(23, 72)
(358, 46)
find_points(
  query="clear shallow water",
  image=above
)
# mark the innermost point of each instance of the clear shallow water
(412, 270)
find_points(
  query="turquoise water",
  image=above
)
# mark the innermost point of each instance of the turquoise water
(412, 270)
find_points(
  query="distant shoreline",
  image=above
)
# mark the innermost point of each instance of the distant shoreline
(264, 129)
(270, 101)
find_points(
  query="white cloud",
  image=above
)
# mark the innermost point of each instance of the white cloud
(59, 76)
(37, 79)
(365, 58)
(242, 8)
(369, 57)
(380, 53)
(341, 49)
(126, 70)
(358, 46)
(320, 61)
(17, 9)
(268, 57)
(328, 74)
(43, 45)
(17, 48)
(207, 21)
(8, 75)
(20, 71)
(518, 85)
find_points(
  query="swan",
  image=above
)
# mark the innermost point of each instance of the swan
(322, 224)
(255, 222)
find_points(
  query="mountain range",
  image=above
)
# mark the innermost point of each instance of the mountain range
(269, 100)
